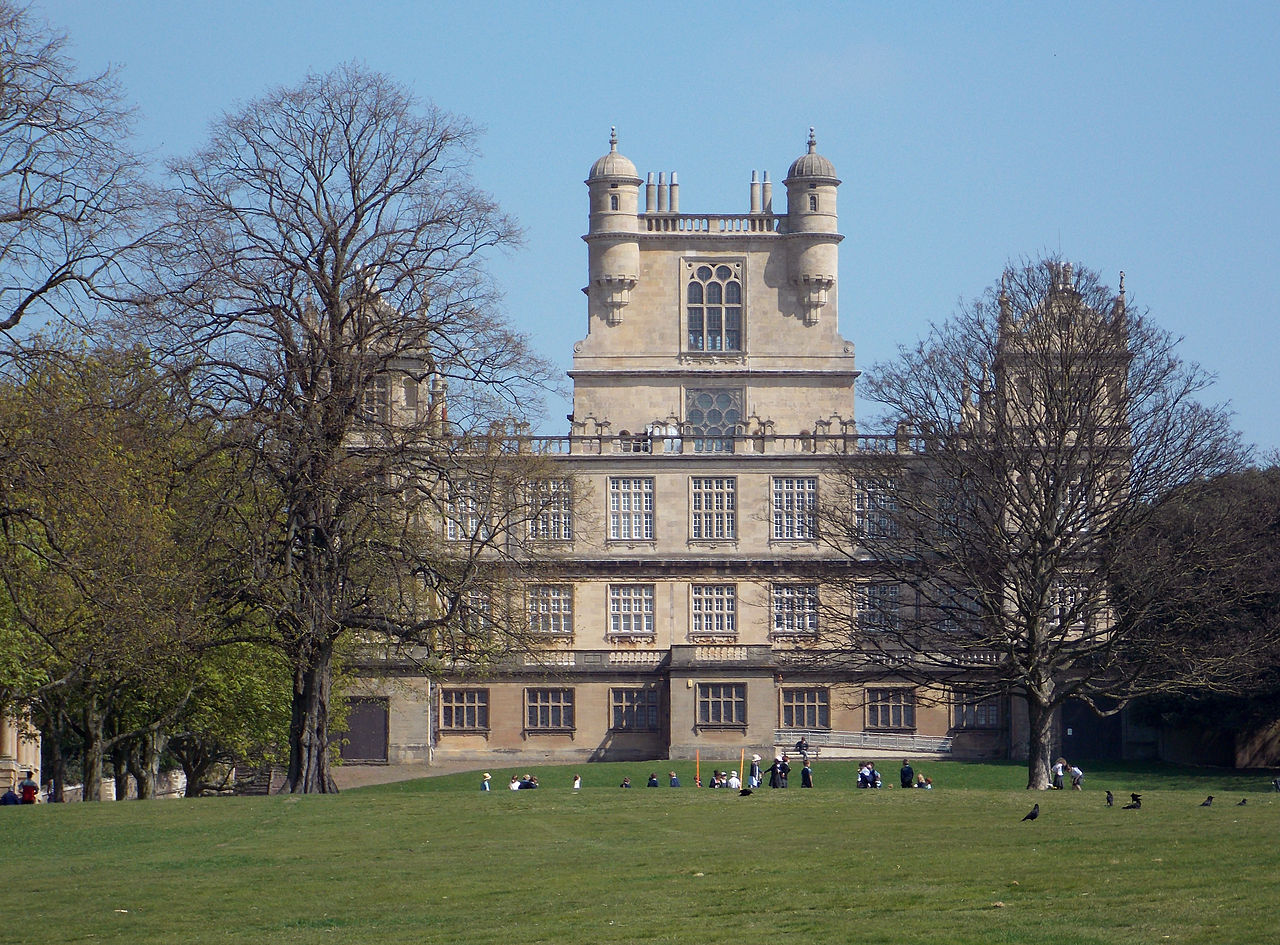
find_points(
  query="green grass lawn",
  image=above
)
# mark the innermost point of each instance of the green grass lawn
(435, 860)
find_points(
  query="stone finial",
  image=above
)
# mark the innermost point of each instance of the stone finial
(613, 138)
(813, 142)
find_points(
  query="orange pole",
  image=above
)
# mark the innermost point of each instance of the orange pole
(697, 766)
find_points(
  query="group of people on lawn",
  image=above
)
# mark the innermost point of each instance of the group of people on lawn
(779, 772)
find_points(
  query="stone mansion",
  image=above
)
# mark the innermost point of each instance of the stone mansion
(681, 611)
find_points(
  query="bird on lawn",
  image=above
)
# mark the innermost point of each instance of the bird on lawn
(1111, 799)
(1033, 813)
(1243, 801)
(1136, 805)
(1207, 802)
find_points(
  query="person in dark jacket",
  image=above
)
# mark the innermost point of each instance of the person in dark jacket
(775, 772)
(906, 776)
(806, 775)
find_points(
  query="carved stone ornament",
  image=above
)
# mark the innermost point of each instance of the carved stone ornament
(615, 293)
(813, 295)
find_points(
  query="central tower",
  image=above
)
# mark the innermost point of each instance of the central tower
(733, 313)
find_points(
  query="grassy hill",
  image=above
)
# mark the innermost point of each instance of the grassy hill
(435, 860)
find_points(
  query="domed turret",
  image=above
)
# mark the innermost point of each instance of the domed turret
(811, 230)
(810, 165)
(613, 164)
(614, 257)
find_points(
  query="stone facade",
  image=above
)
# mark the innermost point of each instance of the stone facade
(19, 751)
(679, 604)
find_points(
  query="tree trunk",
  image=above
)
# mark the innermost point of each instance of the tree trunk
(144, 763)
(196, 760)
(57, 771)
(309, 726)
(120, 770)
(1040, 724)
(92, 762)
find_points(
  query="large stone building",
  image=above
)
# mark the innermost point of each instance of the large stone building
(680, 606)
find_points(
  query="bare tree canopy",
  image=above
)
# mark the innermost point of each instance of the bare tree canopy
(323, 277)
(71, 195)
(1038, 430)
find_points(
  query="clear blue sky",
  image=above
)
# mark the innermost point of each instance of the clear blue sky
(1142, 137)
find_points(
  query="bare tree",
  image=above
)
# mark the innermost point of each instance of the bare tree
(323, 279)
(71, 196)
(1038, 431)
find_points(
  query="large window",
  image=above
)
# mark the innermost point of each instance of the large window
(375, 404)
(877, 508)
(631, 609)
(1067, 602)
(879, 607)
(794, 502)
(722, 704)
(464, 710)
(713, 417)
(713, 508)
(715, 608)
(713, 300)
(977, 713)
(549, 709)
(795, 608)
(806, 708)
(891, 708)
(631, 508)
(551, 505)
(551, 608)
(467, 513)
(633, 710)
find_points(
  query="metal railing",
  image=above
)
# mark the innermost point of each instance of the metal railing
(869, 741)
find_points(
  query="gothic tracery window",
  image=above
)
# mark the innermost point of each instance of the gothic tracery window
(713, 309)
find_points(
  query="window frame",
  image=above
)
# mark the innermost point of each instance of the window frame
(880, 607)
(881, 704)
(712, 604)
(978, 715)
(794, 504)
(713, 698)
(552, 500)
(448, 708)
(797, 602)
(466, 517)
(876, 508)
(629, 593)
(631, 508)
(561, 594)
(626, 702)
(705, 340)
(812, 702)
(708, 437)
(533, 702)
(713, 508)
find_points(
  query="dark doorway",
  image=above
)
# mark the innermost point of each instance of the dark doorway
(1085, 734)
(366, 736)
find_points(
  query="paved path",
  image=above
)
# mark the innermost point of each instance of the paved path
(355, 776)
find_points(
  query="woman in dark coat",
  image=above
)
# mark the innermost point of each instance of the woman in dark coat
(776, 777)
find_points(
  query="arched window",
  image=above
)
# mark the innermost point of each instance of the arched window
(813, 203)
(713, 310)
(613, 201)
